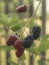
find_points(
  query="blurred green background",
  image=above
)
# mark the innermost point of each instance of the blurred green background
(12, 22)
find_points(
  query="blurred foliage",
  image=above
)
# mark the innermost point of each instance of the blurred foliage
(11, 4)
(41, 62)
(13, 63)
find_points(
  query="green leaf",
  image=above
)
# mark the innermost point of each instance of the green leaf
(13, 63)
(15, 28)
(6, 48)
(44, 45)
(33, 50)
(15, 20)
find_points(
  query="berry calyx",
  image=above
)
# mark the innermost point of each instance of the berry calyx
(11, 39)
(20, 51)
(18, 43)
(35, 32)
(28, 41)
(21, 8)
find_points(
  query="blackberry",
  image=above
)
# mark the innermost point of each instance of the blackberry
(28, 41)
(11, 39)
(21, 8)
(18, 44)
(20, 51)
(35, 32)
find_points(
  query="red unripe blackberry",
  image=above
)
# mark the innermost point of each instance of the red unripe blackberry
(11, 39)
(20, 51)
(18, 44)
(21, 8)
(28, 41)
(35, 32)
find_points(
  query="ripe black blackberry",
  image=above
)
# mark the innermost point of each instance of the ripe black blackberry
(28, 41)
(35, 32)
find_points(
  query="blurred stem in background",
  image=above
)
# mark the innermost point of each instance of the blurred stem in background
(6, 6)
(27, 55)
(6, 28)
(7, 53)
(30, 14)
(20, 2)
(0, 7)
(31, 8)
(31, 59)
(43, 25)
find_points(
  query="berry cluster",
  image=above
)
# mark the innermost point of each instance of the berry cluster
(17, 43)
(27, 42)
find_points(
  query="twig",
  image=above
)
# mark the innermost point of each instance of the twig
(23, 29)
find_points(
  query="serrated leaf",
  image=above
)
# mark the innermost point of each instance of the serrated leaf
(6, 48)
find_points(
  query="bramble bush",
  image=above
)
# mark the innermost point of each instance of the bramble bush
(18, 26)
